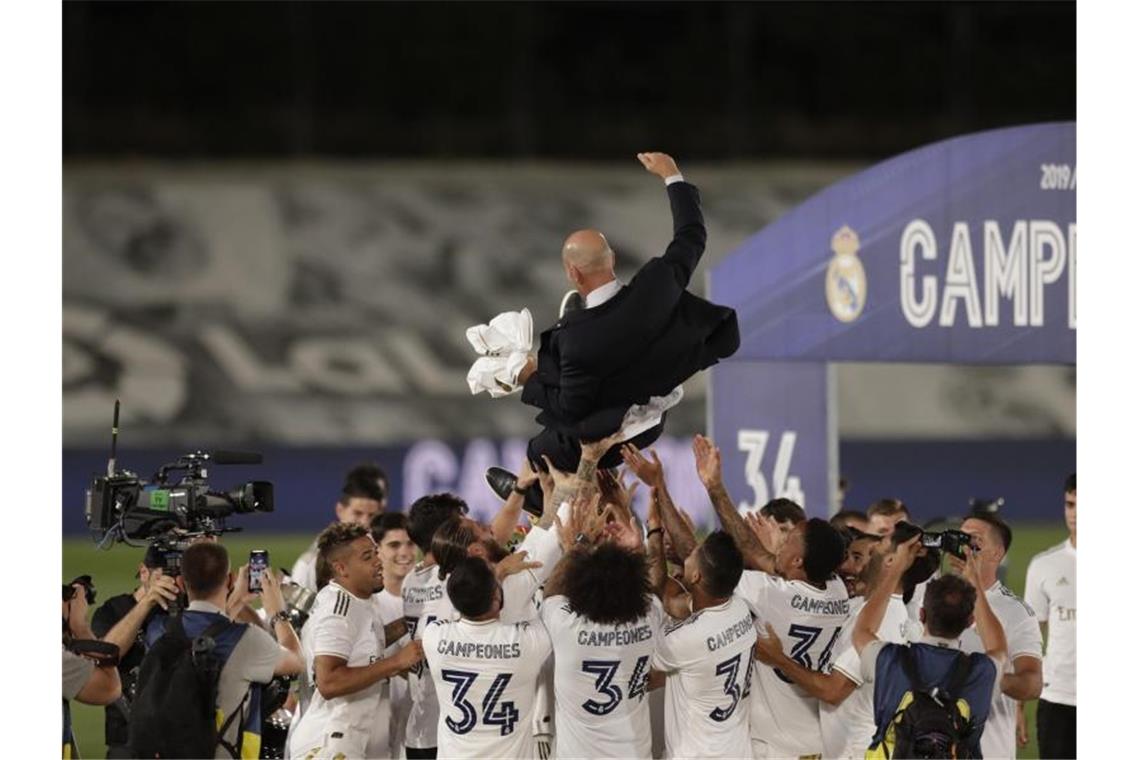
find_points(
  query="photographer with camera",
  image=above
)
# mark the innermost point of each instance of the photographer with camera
(121, 620)
(201, 655)
(91, 681)
(1021, 679)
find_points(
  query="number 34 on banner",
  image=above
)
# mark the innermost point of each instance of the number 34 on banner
(753, 443)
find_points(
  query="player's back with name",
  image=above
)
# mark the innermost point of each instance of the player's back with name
(708, 661)
(601, 680)
(485, 675)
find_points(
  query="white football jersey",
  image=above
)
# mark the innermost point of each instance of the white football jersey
(847, 728)
(391, 609)
(340, 625)
(1051, 590)
(707, 659)
(422, 587)
(485, 674)
(600, 677)
(808, 621)
(1023, 639)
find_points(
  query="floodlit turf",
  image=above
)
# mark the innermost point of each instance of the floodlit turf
(114, 571)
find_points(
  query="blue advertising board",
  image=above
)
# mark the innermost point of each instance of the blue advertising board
(774, 425)
(963, 251)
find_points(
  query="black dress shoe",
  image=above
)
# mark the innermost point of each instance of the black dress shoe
(501, 481)
(572, 301)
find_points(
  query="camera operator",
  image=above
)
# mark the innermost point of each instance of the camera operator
(364, 495)
(121, 620)
(254, 658)
(83, 679)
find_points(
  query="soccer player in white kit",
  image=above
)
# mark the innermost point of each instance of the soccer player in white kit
(421, 588)
(485, 671)
(342, 652)
(397, 558)
(1051, 590)
(604, 621)
(1022, 677)
(364, 495)
(794, 589)
(846, 710)
(707, 658)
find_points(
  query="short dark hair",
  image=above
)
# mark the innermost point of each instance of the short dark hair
(888, 508)
(427, 513)
(823, 550)
(205, 567)
(471, 587)
(784, 510)
(721, 564)
(607, 585)
(450, 543)
(364, 481)
(383, 522)
(998, 524)
(1071, 483)
(949, 603)
(333, 539)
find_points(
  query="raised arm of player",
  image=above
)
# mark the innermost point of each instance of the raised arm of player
(653, 475)
(756, 556)
(871, 616)
(507, 518)
(988, 625)
(831, 687)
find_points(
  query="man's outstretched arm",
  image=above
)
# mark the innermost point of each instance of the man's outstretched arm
(756, 555)
(689, 235)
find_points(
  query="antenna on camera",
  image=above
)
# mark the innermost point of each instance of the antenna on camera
(114, 441)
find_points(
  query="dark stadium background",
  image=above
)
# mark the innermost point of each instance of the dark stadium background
(561, 85)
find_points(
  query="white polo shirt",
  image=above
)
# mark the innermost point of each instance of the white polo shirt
(1051, 590)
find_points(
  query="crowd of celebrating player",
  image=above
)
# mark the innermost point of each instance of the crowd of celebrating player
(593, 631)
(775, 636)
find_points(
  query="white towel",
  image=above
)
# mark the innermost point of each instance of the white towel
(503, 345)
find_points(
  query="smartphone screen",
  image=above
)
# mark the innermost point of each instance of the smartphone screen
(258, 564)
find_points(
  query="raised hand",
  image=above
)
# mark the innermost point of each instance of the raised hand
(627, 535)
(527, 475)
(708, 462)
(661, 164)
(514, 563)
(767, 529)
(558, 478)
(614, 491)
(583, 520)
(161, 591)
(649, 473)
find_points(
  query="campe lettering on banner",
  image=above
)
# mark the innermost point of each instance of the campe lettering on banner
(1016, 266)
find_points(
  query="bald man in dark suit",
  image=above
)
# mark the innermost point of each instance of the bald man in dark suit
(626, 344)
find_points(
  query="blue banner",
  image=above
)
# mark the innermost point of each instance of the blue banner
(961, 251)
(771, 422)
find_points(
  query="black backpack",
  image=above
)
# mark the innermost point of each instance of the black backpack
(173, 714)
(931, 725)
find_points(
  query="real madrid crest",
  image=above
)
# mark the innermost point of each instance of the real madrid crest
(846, 280)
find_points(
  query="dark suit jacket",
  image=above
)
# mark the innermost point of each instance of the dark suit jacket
(646, 340)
